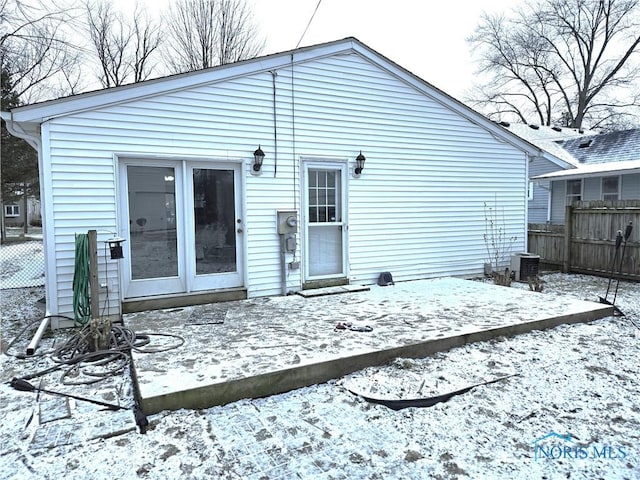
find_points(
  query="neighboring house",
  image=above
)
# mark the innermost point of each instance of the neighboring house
(553, 158)
(168, 164)
(608, 168)
(14, 212)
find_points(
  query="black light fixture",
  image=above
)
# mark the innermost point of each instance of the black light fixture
(360, 163)
(115, 247)
(258, 157)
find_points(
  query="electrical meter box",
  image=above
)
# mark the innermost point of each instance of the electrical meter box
(287, 222)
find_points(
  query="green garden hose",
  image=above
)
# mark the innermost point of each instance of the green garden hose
(81, 291)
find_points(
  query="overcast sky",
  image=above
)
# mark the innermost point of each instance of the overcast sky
(427, 37)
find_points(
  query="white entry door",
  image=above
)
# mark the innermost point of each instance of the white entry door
(325, 221)
(183, 227)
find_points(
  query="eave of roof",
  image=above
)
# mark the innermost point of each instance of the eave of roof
(594, 170)
(41, 112)
(547, 139)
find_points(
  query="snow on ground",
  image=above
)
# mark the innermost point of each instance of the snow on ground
(22, 264)
(579, 382)
(238, 340)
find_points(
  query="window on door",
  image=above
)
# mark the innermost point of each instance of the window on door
(611, 188)
(152, 222)
(323, 196)
(214, 219)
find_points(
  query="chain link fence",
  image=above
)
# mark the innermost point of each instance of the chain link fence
(22, 258)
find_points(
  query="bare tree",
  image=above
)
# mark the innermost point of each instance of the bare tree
(123, 47)
(34, 50)
(146, 38)
(561, 61)
(206, 33)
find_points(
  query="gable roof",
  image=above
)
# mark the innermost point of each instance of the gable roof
(615, 153)
(27, 119)
(609, 147)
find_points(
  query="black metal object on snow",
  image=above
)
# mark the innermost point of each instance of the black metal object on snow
(24, 386)
(399, 404)
(620, 240)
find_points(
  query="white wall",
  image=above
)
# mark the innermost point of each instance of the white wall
(418, 209)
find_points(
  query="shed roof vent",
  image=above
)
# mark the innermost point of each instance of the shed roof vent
(535, 127)
(585, 144)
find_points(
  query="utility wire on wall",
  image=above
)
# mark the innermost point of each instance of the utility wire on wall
(308, 24)
(274, 74)
(293, 136)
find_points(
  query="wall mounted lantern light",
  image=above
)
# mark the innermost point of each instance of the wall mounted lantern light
(115, 247)
(359, 163)
(258, 157)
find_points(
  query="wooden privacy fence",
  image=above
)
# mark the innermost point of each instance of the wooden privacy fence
(587, 241)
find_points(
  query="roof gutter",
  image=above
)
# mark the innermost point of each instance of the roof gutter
(17, 130)
(594, 170)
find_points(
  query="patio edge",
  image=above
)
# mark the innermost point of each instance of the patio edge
(288, 379)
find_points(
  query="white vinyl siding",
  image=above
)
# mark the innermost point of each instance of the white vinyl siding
(416, 211)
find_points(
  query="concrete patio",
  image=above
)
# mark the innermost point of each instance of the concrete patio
(220, 353)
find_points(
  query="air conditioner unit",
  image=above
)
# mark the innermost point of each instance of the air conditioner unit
(525, 265)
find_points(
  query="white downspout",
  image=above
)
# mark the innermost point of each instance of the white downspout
(549, 199)
(527, 159)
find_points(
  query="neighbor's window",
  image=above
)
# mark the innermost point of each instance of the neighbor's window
(12, 210)
(610, 188)
(574, 191)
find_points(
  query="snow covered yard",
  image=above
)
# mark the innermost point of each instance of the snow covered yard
(22, 264)
(578, 382)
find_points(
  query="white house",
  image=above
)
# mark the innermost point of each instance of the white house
(168, 164)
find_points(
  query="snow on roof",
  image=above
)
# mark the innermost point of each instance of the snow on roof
(543, 132)
(618, 147)
(547, 138)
